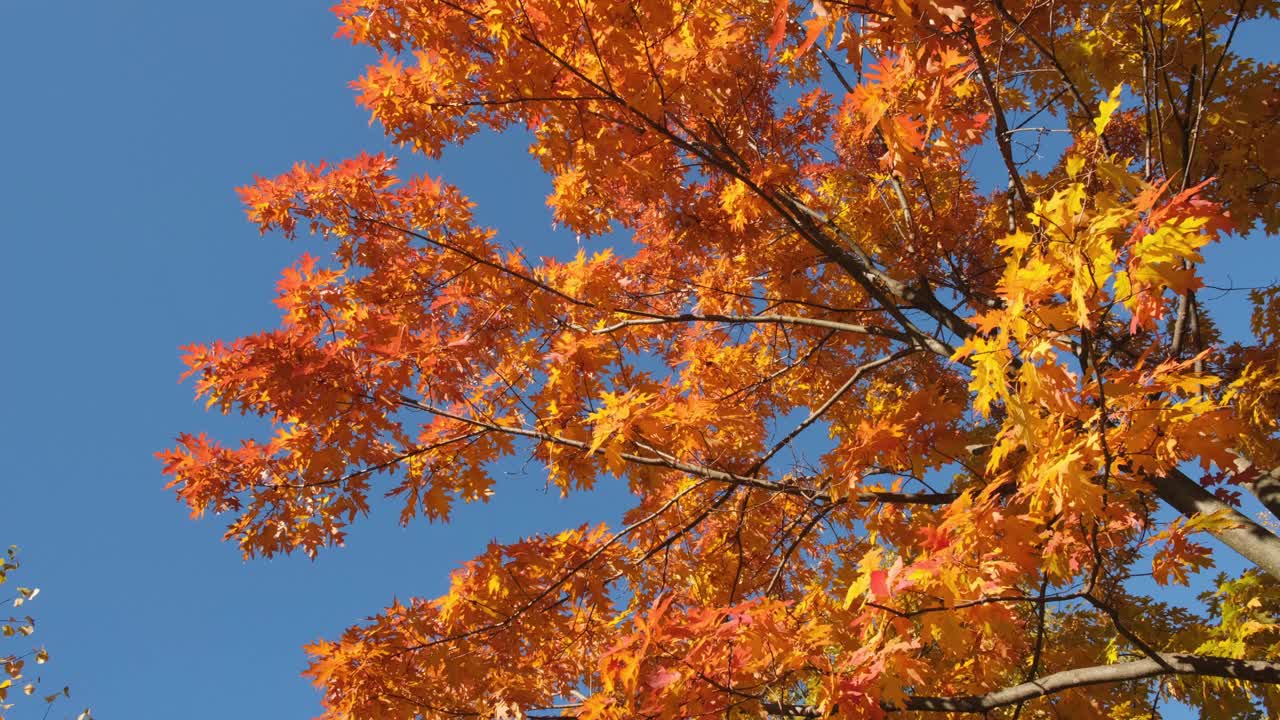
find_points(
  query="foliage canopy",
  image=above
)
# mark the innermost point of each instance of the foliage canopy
(1027, 408)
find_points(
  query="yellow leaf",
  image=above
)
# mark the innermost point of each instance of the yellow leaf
(857, 589)
(1074, 164)
(1106, 108)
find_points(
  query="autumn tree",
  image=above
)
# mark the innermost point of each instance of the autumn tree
(899, 443)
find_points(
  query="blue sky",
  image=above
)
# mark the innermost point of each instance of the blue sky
(126, 127)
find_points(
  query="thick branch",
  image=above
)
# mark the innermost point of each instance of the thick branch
(1265, 486)
(1254, 542)
(1174, 663)
(1248, 537)
(886, 289)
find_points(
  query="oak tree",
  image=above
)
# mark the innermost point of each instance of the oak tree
(898, 443)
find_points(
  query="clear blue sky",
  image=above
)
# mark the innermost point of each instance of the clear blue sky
(125, 128)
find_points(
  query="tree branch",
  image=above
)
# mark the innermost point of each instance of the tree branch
(694, 469)
(1002, 127)
(656, 319)
(826, 405)
(1177, 664)
(1264, 484)
(1247, 538)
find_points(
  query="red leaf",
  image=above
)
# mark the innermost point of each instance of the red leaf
(779, 26)
(879, 584)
